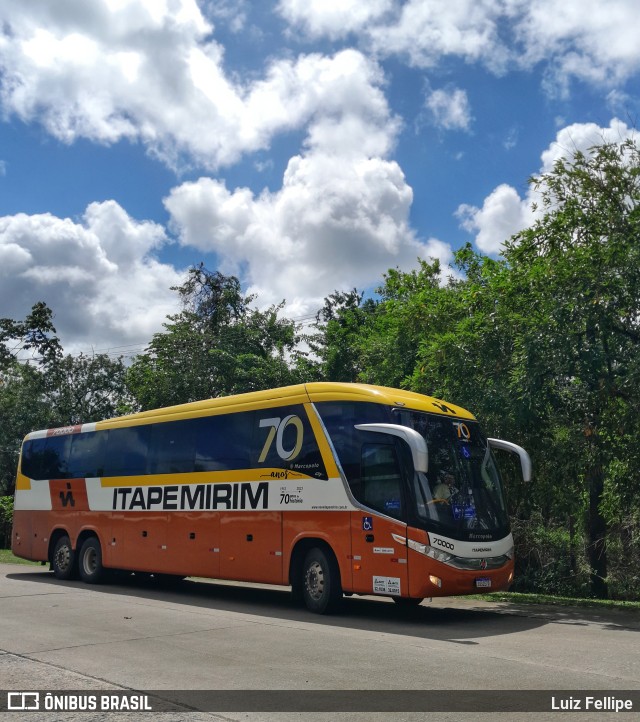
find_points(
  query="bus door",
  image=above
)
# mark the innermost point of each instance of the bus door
(379, 561)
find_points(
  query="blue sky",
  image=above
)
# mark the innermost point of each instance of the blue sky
(304, 145)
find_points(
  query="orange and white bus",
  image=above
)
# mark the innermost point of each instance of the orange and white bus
(331, 488)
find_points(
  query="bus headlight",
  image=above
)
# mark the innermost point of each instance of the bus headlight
(439, 555)
(429, 551)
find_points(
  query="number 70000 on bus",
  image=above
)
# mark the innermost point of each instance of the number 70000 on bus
(330, 488)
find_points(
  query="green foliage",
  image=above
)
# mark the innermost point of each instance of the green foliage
(340, 326)
(50, 389)
(6, 520)
(33, 334)
(23, 408)
(217, 345)
(87, 388)
(542, 344)
(548, 559)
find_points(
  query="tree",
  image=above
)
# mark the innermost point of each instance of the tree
(576, 288)
(22, 383)
(36, 333)
(218, 344)
(48, 389)
(79, 389)
(337, 343)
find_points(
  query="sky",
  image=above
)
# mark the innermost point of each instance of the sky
(305, 146)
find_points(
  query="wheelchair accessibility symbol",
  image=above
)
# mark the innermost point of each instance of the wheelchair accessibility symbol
(367, 523)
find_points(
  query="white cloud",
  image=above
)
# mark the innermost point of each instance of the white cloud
(99, 276)
(340, 219)
(332, 18)
(582, 137)
(505, 213)
(152, 72)
(232, 12)
(590, 40)
(427, 30)
(449, 108)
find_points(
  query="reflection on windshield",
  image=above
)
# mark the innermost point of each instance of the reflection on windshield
(462, 490)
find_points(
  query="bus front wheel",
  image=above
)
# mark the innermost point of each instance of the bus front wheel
(90, 561)
(63, 559)
(321, 589)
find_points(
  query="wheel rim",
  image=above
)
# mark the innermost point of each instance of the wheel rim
(314, 580)
(90, 561)
(63, 558)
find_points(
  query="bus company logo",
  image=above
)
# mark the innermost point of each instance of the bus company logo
(443, 407)
(483, 564)
(23, 701)
(201, 496)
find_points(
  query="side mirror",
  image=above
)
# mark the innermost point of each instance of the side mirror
(525, 459)
(417, 444)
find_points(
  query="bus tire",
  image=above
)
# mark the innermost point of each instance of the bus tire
(321, 588)
(63, 559)
(90, 561)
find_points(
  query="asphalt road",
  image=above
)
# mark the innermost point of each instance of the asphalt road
(205, 635)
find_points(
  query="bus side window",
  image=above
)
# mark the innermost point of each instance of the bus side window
(86, 458)
(223, 442)
(340, 419)
(172, 447)
(33, 459)
(381, 479)
(127, 451)
(283, 438)
(55, 458)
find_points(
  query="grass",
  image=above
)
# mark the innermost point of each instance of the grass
(6, 557)
(519, 598)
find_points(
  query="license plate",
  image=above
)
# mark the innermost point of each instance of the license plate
(484, 583)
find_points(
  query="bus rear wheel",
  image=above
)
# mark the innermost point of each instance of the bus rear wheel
(63, 559)
(321, 589)
(90, 561)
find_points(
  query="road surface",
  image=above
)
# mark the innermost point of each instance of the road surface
(205, 635)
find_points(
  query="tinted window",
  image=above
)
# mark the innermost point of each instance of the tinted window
(223, 442)
(283, 439)
(172, 447)
(31, 464)
(381, 480)
(46, 458)
(340, 419)
(86, 458)
(280, 438)
(127, 451)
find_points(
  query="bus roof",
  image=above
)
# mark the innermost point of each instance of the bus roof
(301, 393)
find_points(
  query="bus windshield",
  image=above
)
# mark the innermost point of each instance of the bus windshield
(461, 495)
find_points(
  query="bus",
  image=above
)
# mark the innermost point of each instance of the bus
(331, 488)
